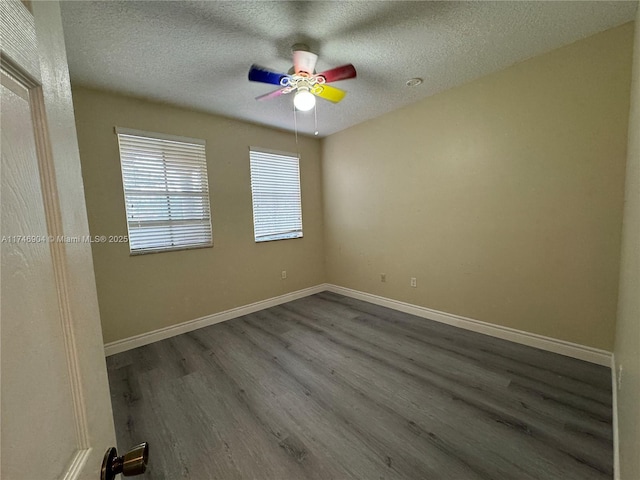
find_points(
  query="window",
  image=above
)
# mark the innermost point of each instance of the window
(165, 190)
(275, 189)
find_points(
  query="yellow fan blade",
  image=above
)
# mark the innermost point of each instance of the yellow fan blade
(330, 93)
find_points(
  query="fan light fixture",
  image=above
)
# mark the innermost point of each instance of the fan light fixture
(304, 100)
(303, 80)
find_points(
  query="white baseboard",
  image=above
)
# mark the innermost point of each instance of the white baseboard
(569, 349)
(162, 333)
(614, 403)
(581, 352)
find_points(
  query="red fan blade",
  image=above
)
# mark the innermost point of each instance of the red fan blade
(304, 61)
(339, 73)
(274, 94)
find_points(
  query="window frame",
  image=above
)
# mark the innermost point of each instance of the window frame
(287, 235)
(203, 193)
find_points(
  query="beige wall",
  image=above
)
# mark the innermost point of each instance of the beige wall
(142, 293)
(503, 196)
(627, 347)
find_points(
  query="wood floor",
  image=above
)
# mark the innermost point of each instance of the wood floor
(328, 387)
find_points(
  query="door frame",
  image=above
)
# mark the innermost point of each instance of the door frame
(34, 55)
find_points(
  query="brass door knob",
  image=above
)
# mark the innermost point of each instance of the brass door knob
(132, 463)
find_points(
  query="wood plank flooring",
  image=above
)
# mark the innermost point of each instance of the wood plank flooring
(328, 387)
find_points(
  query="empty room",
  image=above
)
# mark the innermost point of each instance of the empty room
(290, 240)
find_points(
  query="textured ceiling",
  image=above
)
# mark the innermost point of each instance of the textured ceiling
(197, 54)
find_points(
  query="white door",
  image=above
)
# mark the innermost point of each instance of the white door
(56, 419)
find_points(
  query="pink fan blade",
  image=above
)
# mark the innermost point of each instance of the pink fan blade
(339, 73)
(304, 61)
(274, 94)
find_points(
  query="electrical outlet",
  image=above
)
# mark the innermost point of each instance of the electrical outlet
(383, 277)
(619, 377)
(284, 274)
(414, 282)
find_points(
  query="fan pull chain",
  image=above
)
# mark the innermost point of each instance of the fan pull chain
(295, 127)
(315, 118)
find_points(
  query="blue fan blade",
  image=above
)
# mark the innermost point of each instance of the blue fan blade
(261, 74)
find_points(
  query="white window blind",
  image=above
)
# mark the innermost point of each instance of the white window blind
(275, 189)
(166, 191)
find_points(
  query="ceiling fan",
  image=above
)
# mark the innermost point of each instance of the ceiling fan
(303, 80)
